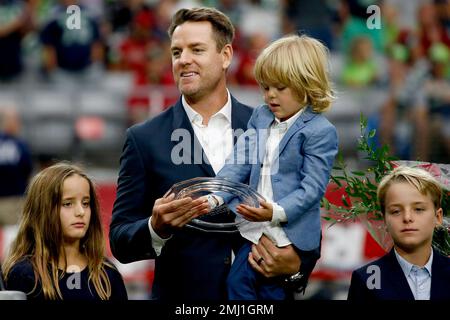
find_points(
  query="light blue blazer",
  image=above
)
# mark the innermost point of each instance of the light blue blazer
(305, 157)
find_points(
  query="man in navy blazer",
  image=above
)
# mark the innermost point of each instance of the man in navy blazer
(189, 265)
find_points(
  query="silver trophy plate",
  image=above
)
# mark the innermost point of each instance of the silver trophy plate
(221, 218)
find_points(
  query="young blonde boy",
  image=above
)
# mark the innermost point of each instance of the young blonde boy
(296, 146)
(410, 200)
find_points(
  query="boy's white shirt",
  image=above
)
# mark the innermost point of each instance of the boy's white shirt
(253, 231)
(419, 278)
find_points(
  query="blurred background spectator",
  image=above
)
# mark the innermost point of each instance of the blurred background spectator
(16, 19)
(71, 54)
(302, 15)
(76, 91)
(15, 167)
(354, 24)
(437, 94)
(360, 69)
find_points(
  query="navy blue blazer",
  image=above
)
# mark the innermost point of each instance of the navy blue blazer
(193, 265)
(300, 172)
(393, 282)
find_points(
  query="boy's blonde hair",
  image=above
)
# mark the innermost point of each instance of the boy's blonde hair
(419, 178)
(300, 63)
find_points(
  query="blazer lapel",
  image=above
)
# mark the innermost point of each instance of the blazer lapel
(301, 122)
(265, 119)
(238, 118)
(396, 279)
(438, 274)
(195, 150)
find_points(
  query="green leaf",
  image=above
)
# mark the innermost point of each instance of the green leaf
(345, 202)
(371, 185)
(362, 120)
(372, 133)
(325, 203)
(335, 180)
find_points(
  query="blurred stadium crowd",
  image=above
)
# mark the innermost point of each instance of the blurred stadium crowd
(71, 93)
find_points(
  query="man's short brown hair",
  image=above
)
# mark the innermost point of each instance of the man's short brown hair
(222, 27)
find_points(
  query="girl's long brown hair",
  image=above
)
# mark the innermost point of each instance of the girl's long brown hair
(40, 236)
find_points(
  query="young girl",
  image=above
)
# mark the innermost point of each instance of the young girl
(59, 250)
(297, 145)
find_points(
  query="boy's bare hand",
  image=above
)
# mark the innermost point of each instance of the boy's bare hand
(264, 213)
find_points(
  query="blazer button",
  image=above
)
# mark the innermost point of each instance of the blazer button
(227, 261)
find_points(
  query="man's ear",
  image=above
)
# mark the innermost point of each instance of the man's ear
(439, 217)
(227, 55)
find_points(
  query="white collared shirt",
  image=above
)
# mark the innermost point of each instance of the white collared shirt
(216, 139)
(253, 231)
(419, 278)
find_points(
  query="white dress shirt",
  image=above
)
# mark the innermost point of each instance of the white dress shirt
(216, 139)
(419, 278)
(253, 231)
